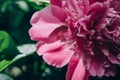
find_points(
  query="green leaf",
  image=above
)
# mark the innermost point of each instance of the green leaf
(5, 77)
(42, 1)
(38, 4)
(8, 49)
(4, 64)
(23, 5)
(26, 50)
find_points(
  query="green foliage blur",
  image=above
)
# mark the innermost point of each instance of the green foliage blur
(18, 59)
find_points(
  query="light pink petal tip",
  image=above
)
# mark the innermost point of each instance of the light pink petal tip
(76, 69)
(55, 54)
(44, 22)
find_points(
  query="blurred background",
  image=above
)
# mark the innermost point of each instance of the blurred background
(18, 59)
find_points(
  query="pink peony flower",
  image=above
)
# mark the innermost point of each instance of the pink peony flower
(83, 33)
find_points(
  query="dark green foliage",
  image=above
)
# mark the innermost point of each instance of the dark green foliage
(8, 48)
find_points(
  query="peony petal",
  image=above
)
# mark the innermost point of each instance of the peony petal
(116, 5)
(94, 1)
(110, 71)
(101, 24)
(59, 13)
(71, 67)
(76, 69)
(97, 7)
(44, 23)
(96, 68)
(56, 2)
(113, 59)
(80, 69)
(56, 54)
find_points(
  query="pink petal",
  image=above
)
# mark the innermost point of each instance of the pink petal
(84, 4)
(76, 69)
(71, 67)
(44, 23)
(98, 8)
(116, 5)
(59, 13)
(80, 69)
(93, 1)
(56, 2)
(56, 54)
(96, 68)
(110, 71)
(113, 59)
(101, 24)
